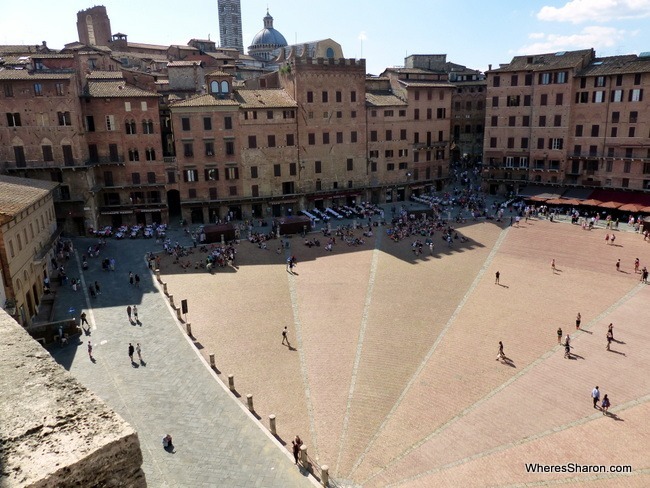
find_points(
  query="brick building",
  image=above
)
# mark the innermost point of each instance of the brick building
(568, 119)
(319, 134)
(28, 232)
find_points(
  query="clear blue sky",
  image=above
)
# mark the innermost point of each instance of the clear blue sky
(475, 33)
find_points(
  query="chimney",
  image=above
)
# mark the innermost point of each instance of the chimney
(489, 67)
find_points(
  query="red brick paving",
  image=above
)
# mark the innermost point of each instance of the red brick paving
(408, 415)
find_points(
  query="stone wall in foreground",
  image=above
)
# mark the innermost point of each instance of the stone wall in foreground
(53, 431)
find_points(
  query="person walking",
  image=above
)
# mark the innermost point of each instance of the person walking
(559, 335)
(595, 395)
(605, 404)
(578, 320)
(610, 338)
(553, 265)
(131, 351)
(97, 289)
(131, 278)
(135, 313)
(137, 281)
(284, 336)
(296, 442)
(618, 265)
(613, 239)
(500, 355)
(497, 276)
(138, 350)
(637, 263)
(83, 319)
(90, 350)
(610, 330)
(128, 311)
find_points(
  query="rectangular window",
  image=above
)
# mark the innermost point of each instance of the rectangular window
(185, 123)
(631, 132)
(227, 123)
(310, 97)
(557, 121)
(527, 100)
(188, 149)
(561, 77)
(540, 143)
(528, 79)
(290, 141)
(269, 114)
(544, 78)
(542, 120)
(598, 97)
(543, 99)
(353, 136)
(388, 113)
(429, 114)
(350, 164)
(207, 123)
(511, 142)
(495, 101)
(255, 191)
(254, 173)
(38, 89)
(293, 168)
(496, 81)
(594, 130)
(512, 120)
(339, 137)
(493, 142)
(90, 123)
(318, 167)
(614, 132)
(324, 97)
(390, 167)
(579, 130)
(513, 101)
(47, 152)
(373, 136)
(211, 174)
(524, 142)
(127, 106)
(232, 174)
(353, 114)
(209, 148)
(13, 119)
(599, 81)
(229, 147)
(416, 114)
(514, 80)
(339, 97)
(110, 123)
(556, 143)
(353, 96)
(326, 137)
(277, 170)
(636, 95)
(559, 99)
(633, 117)
(9, 92)
(68, 157)
(151, 177)
(616, 117)
(441, 113)
(525, 121)
(135, 178)
(388, 153)
(311, 138)
(252, 142)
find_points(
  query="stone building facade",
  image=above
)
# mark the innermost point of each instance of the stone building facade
(568, 119)
(28, 232)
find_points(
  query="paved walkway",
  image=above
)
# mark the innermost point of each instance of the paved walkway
(217, 442)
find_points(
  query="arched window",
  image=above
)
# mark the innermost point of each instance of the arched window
(214, 87)
(134, 155)
(147, 126)
(150, 154)
(130, 127)
(329, 53)
(224, 87)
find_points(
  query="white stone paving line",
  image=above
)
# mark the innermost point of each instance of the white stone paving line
(362, 333)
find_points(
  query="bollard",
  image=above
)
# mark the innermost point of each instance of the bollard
(189, 328)
(165, 289)
(178, 313)
(325, 475)
(304, 460)
(171, 300)
(212, 363)
(272, 424)
(231, 382)
(249, 401)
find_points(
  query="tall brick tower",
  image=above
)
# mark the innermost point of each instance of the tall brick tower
(94, 26)
(230, 24)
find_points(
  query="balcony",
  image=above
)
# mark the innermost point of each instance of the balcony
(169, 159)
(105, 160)
(35, 164)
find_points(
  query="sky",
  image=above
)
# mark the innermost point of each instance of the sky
(474, 33)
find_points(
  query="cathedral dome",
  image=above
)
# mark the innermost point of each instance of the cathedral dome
(267, 40)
